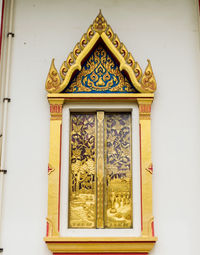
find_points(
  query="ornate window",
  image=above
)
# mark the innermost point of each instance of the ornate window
(101, 164)
(100, 170)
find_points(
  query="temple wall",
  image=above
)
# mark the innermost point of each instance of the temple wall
(166, 32)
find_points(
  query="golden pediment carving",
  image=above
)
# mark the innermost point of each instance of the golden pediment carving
(100, 74)
(100, 30)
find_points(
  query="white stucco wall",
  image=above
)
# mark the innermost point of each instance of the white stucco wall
(164, 31)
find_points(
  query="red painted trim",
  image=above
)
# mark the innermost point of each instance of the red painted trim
(55, 108)
(152, 228)
(59, 178)
(1, 29)
(199, 5)
(104, 242)
(141, 178)
(47, 233)
(99, 98)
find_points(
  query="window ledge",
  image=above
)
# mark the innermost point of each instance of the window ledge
(100, 244)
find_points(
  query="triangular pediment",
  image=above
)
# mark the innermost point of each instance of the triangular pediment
(100, 73)
(87, 71)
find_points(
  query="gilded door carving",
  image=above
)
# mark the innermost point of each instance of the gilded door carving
(100, 170)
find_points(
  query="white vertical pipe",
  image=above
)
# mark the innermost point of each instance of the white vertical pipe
(5, 104)
(5, 108)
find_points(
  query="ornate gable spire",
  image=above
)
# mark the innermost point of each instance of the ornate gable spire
(99, 24)
(143, 83)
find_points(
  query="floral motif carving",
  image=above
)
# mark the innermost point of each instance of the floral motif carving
(144, 83)
(118, 211)
(99, 24)
(53, 80)
(148, 79)
(82, 173)
(100, 171)
(100, 74)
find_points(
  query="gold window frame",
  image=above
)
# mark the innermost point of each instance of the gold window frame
(145, 84)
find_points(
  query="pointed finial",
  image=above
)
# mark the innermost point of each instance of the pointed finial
(100, 24)
(148, 79)
(53, 80)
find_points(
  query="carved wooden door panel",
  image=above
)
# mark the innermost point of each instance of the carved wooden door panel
(100, 170)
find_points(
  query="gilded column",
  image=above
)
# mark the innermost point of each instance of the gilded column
(146, 166)
(100, 169)
(54, 167)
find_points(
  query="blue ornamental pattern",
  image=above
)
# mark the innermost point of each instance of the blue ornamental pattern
(100, 74)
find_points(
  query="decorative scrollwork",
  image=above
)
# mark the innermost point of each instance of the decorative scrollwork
(148, 79)
(53, 80)
(82, 206)
(76, 51)
(100, 29)
(118, 211)
(100, 74)
(100, 23)
(137, 71)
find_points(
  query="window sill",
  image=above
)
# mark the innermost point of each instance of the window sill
(100, 244)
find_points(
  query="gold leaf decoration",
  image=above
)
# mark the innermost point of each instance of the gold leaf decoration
(53, 80)
(76, 52)
(100, 23)
(130, 60)
(109, 32)
(137, 71)
(82, 198)
(148, 79)
(100, 74)
(150, 168)
(100, 30)
(117, 167)
(63, 70)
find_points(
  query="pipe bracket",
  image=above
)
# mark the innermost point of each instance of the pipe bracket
(10, 33)
(3, 171)
(6, 99)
